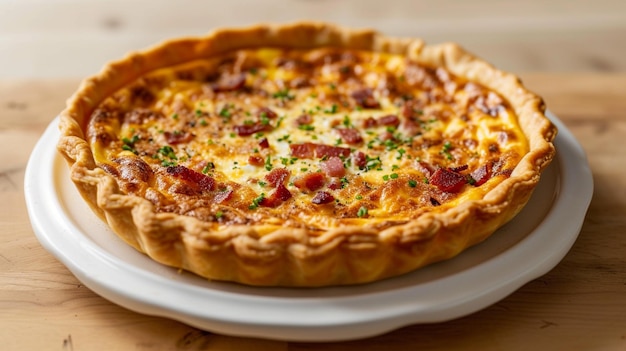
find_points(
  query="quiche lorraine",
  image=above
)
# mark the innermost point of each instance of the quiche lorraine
(304, 154)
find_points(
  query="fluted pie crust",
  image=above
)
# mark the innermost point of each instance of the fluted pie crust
(315, 249)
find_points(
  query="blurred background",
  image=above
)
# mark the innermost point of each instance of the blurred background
(73, 39)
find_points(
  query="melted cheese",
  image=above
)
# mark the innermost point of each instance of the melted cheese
(168, 120)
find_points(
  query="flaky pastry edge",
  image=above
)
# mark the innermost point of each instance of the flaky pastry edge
(289, 256)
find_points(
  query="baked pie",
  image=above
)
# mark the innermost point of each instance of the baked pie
(304, 154)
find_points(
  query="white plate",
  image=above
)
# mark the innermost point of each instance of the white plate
(526, 248)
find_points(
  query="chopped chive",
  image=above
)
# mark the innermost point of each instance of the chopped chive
(268, 163)
(346, 121)
(333, 109)
(225, 112)
(283, 95)
(344, 182)
(362, 212)
(209, 166)
(401, 153)
(255, 203)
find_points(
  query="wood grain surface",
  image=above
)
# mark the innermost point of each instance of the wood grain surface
(579, 305)
(73, 38)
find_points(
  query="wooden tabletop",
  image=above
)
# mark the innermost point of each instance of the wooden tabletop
(69, 38)
(579, 305)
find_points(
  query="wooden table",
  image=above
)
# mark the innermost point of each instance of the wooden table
(579, 305)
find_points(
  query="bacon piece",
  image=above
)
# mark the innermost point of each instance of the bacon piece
(459, 168)
(447, 180)
(264, 143)
(365, 98)
(266, 112)
(334, 123)
(141, 94)
(384, 136)
(413, 128)
(322, 150)
(370, 122)
(256, 160)
(312, 150)
(359, 159)
(389, 120)
(481, 175)
(333, 167)
(322, 197)
(223, 196)
(201, 181)
(350, 135)
(304, 119)
(335, 184)
(412, 109)
(310, 181)
(305, 150)
(277, 177)
(249, 129)
(280, 195)
(174, 138)
(230, 83)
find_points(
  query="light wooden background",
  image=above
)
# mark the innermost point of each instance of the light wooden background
(46, 46)
(65, 38)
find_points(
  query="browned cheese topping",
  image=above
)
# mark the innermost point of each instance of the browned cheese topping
(314, 139)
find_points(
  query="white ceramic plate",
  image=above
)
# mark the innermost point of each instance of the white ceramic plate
(526, 248)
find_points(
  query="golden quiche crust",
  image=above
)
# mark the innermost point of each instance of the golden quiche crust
(340, 237)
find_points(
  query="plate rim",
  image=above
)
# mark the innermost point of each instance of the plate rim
(574, 171)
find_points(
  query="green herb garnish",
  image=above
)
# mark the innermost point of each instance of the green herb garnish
(209, 166)
(445, 150)
(362, 212)
(283, 95)
(255, 203)
(268, 163)
(333, 109)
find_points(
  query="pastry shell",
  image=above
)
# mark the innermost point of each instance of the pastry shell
(290, 256)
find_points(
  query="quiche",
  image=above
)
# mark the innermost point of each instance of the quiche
(304, 154)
